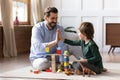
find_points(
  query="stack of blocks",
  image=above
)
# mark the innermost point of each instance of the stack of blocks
(53, 57)
(67, 69)
(66, 60)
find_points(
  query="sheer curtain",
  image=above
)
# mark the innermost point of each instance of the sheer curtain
(9, 45)
(37, 12)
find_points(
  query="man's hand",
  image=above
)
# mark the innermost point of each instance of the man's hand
(57, 36)
(60, 35)
(54, 42)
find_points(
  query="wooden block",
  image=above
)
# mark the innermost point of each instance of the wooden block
(58, 51)
(53, 63)
(66, 53)
(47, 49)
(66, 59)
(66, 63)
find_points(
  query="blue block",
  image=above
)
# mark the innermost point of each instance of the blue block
(66, 66)
(66, 59)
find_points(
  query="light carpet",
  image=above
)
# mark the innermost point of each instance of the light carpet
(112, 74)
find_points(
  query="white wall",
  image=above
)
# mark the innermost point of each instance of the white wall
(46, 3)
(99, 12)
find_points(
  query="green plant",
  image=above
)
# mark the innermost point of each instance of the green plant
(68, 29)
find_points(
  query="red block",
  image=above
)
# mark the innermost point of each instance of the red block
(36, 71)
(48, 70)
(58, 51)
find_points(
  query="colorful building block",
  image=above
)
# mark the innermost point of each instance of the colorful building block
(47, 49)
(48, 70)
(58, 50)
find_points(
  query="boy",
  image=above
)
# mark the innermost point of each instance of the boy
(91, 55)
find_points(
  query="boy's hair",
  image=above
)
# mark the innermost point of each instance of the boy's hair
(86, 28)
(49, 10)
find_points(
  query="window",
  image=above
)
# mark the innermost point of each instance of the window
(21, 8)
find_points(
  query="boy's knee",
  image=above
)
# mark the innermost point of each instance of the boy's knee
(76, 66)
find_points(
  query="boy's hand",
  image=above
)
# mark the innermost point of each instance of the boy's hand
(83, 60)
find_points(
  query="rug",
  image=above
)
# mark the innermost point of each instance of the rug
(24, 73)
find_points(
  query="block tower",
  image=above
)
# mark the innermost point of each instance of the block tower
(66, 60)
(67, 69)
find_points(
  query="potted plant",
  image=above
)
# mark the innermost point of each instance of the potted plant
(68, 29)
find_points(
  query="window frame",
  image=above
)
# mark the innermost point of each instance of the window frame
(28, 22)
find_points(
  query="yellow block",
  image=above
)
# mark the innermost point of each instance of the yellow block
(66, 63)
(47, 49)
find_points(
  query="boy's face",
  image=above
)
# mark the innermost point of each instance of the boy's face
(81, 36)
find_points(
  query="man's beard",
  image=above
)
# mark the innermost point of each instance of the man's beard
(51, 25)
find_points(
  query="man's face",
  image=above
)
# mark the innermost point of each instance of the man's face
(52, 20)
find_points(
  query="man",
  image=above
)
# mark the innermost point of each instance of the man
(44, 35)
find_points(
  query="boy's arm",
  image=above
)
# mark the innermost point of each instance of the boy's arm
(67, 41)
(96, 54)
(73, 43)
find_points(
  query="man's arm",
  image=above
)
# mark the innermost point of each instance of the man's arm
(53, 43)
(37, 41)
(62, 45)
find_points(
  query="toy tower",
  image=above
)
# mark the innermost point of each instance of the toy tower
(66, 60)
(66, 64)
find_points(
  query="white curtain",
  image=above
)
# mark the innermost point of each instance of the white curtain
(37, 12)
(9, 45)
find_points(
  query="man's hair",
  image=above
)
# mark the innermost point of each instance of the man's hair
(86, 28)
(49, 10)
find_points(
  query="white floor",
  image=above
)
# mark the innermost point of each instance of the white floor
(13, 66)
